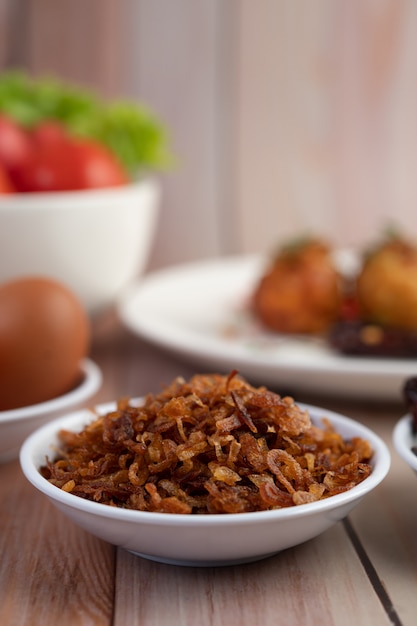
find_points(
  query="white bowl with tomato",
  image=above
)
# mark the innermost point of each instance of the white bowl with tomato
(78, 199)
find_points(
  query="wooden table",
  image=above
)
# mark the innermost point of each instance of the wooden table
(363, 571)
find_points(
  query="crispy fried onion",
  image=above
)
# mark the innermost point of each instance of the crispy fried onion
(214, 444)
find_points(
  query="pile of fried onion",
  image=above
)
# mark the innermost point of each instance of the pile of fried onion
(210, 445)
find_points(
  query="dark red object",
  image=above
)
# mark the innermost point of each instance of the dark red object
(15, 145)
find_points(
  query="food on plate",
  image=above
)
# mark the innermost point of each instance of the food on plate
(301, 291)
(355, 337)
(210, 445)
(384, 320)
(44, 334)
(386, 287)
(58, 137)
(372, 312)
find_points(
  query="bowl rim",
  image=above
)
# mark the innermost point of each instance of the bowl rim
(44, 200)
(402, 440)
(91, 382)
(30, 448)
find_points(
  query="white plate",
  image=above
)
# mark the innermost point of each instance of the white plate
(17, 424)
(198, 311)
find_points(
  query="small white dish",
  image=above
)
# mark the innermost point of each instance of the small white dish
(404, 439)
(201, 540)
(17, 424)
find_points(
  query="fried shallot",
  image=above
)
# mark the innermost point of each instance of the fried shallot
(210, 445)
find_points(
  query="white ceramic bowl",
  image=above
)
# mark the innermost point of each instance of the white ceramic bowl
(201, 540)
(403, 440)
(94, 241)
(17, 424)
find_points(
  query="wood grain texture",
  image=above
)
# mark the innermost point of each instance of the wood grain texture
(327, 128)
(184, 66)
(77, 41)
(386, 524)
(306, 585)
(51, 571)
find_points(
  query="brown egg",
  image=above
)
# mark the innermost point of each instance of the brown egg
(44, 335)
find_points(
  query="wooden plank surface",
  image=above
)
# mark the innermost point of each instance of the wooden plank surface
(362, 571)
(320, 582)
(51, 571)
(386, 523)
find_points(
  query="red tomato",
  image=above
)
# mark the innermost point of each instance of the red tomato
(6, 185)
(15, 144)
(62, 163)
(49, 132)
(96, 166)
(50, 167)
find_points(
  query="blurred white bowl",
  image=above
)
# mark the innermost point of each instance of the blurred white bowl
(201, 540)
(404, 439)
(17, 424)
(94, 241)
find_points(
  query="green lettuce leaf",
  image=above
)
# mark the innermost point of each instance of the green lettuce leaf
(129, 129)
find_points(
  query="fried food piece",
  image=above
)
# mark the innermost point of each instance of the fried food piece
(387, 285)
(301, 291)
(213, 444)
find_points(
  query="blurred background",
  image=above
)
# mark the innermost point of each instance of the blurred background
(285, 116)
